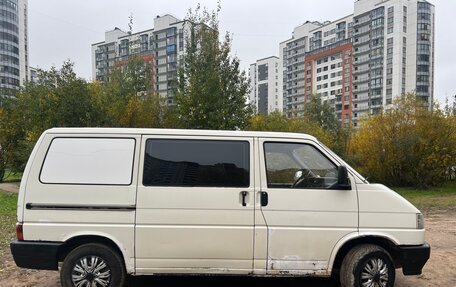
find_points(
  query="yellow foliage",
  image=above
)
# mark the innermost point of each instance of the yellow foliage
(407, 145)
(279, 123)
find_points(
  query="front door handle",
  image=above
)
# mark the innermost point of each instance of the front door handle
(244, 194)
(264, 198)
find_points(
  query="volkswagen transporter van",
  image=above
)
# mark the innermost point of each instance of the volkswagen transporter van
(98, 204)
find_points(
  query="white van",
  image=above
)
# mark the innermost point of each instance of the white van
(111, 202)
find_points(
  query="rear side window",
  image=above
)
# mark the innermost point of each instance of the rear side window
(204, 163)
(98, 161)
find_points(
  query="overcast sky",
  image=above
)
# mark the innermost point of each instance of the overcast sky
(65, 29)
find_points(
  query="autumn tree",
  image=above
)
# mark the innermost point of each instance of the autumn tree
(317, 111)
(407, 145)
(210, 90)
(58, 99)
(277, 122)
(126, 98)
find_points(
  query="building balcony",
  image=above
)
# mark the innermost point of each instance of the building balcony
(362, 96)
(358, 109)
(361, 61)
(361, 80)
(376, 86)
(361, 32)
(361, 42)
(362, 22)
(362, 50)
(422, 73)
(361, 71)
(372, 77)
(361, 89)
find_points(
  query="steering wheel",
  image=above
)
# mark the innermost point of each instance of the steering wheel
(306, 174)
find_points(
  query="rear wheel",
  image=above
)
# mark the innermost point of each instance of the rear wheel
(367, 266)
(94, 265)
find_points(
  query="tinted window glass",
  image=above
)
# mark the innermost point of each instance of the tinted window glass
(290, 165)
(196, 163)
(104, 161)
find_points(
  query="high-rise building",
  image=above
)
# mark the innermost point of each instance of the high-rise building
(13, 45)
(161, 47)
(33, 75)
(359, 63)
(265, 88)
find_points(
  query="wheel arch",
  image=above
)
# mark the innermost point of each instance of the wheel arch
(344, 246)
(81, 239)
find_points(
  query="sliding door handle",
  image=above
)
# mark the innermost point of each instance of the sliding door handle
(243, 195)
(264, 198)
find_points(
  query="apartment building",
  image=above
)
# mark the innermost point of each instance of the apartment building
(265, 87)
(161, 48)
(33, 75)
(13, 45)
(359, 63)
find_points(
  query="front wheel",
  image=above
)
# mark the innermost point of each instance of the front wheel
(367, 265)
(94, 265)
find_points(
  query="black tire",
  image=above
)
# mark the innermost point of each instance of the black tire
(364, 257)
(113, 274)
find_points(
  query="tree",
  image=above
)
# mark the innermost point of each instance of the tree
(58, 99)
(278, 122)
(407, 145)
(322, 113)
(210, 91)
(126, 98)
(61, 99)
(4, 142)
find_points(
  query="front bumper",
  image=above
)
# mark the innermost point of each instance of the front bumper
(413, 258)
(35, 254)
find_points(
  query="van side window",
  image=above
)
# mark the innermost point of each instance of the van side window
(294, 165)
(98, 161)
(205, 163)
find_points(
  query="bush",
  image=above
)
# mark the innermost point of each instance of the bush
(407, 145)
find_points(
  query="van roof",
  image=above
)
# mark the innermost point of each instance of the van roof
(178, 132)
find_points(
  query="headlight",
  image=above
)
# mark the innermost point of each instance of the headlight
(419, 221)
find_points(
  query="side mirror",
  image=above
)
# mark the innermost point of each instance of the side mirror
(343, 183)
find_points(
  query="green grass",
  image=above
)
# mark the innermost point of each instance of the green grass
(434, 198)
(12, 176)
(8, 203)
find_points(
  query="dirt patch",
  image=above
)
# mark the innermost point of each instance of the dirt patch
(10, 187)
(438, 272)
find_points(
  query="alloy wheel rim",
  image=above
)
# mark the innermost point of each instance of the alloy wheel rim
(375, 273)
(91, 271)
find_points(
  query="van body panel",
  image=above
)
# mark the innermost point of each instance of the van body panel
(59, 211)
(370, 195)
(304, 224)
(120, 234)
(180, 228)
(25, 178)
(337, 247)
(397, 236)
(261, 230)
(385, 213)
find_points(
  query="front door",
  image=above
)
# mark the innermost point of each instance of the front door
(304, 217)
(195, 206)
